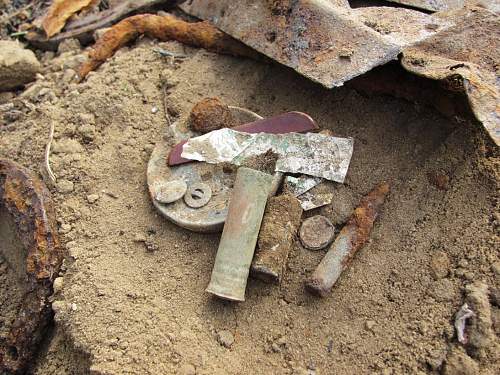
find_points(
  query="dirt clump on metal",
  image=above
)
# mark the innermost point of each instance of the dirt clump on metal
(211, 114)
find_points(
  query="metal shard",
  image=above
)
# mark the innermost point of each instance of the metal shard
(350, 239)
(284, 123)
(310, 201)
(278, 230)
(26, 202)
(299, 185)
(330, 43)
(312, 154)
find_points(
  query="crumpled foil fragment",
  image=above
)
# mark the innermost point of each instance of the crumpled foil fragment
(311, 154)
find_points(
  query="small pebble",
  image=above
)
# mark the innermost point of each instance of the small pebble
(496, 268)
(65, 186)
(440, 265)
(370, 324)
(154, 110)
(187, 369)
(68, 76)
(442, 290)
(140, 237)
(225, 338)
(65, 228)
(58, 284)
(92, 198)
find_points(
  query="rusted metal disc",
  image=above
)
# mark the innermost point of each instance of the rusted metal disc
(316, 232)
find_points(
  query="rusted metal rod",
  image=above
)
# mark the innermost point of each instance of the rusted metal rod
(239, 237)
(350, 239)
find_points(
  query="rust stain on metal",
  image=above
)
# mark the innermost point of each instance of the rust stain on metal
(167, 27)
(350, 239)
(468, 52)
(27, 200)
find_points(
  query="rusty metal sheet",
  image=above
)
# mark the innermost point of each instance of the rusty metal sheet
(465, 57)
(317, 38)
(26, 200)
(432, 5)
(326, 41)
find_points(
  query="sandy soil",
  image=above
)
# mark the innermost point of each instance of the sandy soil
(132, 298)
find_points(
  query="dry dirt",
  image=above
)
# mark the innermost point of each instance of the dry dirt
(131, 299)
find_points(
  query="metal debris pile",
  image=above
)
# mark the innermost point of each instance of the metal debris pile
(272, 168)
(455, 42)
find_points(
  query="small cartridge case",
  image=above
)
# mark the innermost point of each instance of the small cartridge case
(350, 239)
(239, 237)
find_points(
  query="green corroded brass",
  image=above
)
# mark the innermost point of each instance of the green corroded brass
(239, 237)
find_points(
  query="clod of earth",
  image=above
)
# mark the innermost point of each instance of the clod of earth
(27, 202)
(350, 239)
(211, 114)
(59, 12)
(167, 27)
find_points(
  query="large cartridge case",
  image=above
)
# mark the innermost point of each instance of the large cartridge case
(239, 237)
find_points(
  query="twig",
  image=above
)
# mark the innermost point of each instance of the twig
(47, 154)
(19, 33)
